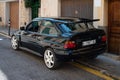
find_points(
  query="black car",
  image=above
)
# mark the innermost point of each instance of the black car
(61, 39)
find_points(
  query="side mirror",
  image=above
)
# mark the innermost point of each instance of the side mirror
(22, 28)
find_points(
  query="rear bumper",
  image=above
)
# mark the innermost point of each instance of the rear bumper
(87, 51)
(91, 49)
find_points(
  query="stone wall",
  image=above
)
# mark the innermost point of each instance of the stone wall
(49, 8)
(2, 13)
(24, 13)
(101, 12)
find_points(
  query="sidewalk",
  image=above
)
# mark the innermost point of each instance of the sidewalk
(112, 56)
(5, 30)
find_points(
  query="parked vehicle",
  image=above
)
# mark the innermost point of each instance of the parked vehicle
(61, 39)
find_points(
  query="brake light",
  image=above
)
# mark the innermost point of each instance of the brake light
(104, 38)
(69, 45)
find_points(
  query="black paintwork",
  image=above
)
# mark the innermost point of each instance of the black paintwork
(39, 42)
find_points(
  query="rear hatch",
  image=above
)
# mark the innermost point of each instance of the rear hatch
(92, 37)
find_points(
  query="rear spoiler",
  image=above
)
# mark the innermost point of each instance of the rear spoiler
(82, 20)
(89, 20)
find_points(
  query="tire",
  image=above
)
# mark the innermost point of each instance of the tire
(50, 59)
(14, 43)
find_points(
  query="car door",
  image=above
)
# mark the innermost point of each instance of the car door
(28, 37)
(48, 34)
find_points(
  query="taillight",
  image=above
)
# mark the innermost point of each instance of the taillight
(69, 45)
(104, 38)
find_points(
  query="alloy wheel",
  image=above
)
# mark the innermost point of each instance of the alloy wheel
(49, 58)
(14, 42)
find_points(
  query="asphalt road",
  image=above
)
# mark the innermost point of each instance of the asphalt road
(23, 65)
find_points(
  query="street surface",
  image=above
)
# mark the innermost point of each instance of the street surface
(23, 65)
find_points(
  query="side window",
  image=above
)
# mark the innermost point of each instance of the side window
(90, 25)
(33, 26)
(48, 28)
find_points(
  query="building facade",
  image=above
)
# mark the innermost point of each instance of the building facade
(78, 8)
(108, 11)
(9, 11)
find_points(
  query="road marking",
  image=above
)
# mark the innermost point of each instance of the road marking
(93, 71)
(3, 76)
(5, 35)
(1, 39)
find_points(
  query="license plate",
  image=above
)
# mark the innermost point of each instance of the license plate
(90, 42)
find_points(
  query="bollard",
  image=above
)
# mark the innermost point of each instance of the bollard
(9, 28)
(0, 19)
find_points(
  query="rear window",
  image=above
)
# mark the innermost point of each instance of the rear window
(75, 27)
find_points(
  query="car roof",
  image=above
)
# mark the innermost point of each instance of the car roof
(65, 19)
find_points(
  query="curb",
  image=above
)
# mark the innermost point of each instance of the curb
(112, 56)
(5, 34)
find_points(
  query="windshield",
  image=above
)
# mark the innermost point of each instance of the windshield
(75, 27)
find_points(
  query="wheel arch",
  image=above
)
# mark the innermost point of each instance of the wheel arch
(47, 47)
(18, 38)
